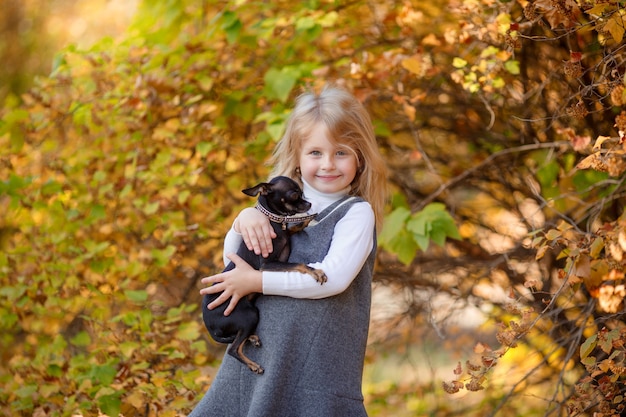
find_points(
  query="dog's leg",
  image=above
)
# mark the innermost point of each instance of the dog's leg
(298, 227)
(236, 351)
(317, 274)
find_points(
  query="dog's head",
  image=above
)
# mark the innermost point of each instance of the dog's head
(281, 195)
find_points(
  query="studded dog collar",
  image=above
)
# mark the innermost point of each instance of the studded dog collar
(284, 219)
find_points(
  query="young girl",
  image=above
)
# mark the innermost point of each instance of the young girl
(313, 336)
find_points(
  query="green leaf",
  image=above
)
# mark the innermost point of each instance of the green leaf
(14, 184)
(183, 196)
(162, 257)
(188, 330)
(203, 148)
(419, 224)
(280, 82)
(448, 226)
(459, 62)
(111, 404)
(588, 346)
(275, 130)
(127, 348)
(151, 208)
(232, 26)
(404, 246)
(438, 235)
(136, 296)
(589, 361)
(81, 339)
(548, 174)
(305, 23)
(432, 223)
(394, 223)
(97, 212)
(55, 371)
(26, 391)
(423, 242)
(512, 67)
(104, 374)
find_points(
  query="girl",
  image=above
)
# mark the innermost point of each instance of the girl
(313, 336)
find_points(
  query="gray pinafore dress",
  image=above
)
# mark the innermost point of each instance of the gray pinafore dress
(312, 350)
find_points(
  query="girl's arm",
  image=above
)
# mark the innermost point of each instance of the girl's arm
(255, 231)
(353, 240)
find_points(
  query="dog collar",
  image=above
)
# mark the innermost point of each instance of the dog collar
(284, 219)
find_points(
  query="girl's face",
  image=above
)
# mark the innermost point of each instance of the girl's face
(326, 166)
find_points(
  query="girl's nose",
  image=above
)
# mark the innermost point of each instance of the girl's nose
(328, 163)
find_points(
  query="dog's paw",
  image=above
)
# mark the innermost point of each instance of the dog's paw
(254, 339)
(319, 276)
(257, 370)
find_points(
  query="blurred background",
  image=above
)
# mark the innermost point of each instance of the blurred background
(126, 126)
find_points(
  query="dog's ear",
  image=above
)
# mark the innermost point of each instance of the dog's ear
(263, 188)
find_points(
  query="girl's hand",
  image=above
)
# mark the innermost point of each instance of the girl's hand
(256, 231)
(235, 284)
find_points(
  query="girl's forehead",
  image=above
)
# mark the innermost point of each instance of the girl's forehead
(331, 145)
(319, 134)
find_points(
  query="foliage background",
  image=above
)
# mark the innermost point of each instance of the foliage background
(501, 261)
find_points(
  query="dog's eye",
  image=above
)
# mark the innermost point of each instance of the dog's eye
(293, 196)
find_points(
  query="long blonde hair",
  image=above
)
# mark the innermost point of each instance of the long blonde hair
(349, 124)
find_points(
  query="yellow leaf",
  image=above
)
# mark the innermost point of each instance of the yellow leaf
(593, 161)
(564, 226)
(553, 234)
(596, 246)
(541, 252)
(172, 124)
(597, 10)
(413, 65)
(136, 399)
(615, 26)
(599, 142)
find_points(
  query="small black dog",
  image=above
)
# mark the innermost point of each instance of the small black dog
(280, 200)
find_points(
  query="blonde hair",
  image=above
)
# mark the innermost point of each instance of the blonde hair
(349, 124)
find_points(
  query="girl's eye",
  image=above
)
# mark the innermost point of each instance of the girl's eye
(316, 153)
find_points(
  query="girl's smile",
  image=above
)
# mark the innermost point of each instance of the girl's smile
(327, 166)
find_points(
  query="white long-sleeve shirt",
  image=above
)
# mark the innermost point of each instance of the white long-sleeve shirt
(353, 240)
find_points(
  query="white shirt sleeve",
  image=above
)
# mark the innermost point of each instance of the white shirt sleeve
(232, 241)
(352, 242)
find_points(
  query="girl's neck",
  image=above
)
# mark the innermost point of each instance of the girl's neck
(319, 201)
